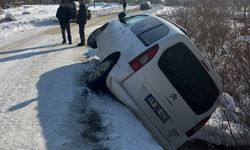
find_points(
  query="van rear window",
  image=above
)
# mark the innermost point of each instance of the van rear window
(189, 77)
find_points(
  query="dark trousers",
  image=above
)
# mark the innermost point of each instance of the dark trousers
(82, 32)
(66, 26)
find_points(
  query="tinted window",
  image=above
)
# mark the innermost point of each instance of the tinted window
(189, 77)
(133, 19)
(153, 35)
(144, 25)
(149, 30)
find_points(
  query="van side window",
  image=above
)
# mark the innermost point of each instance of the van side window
(133, 19)
(153, 35)
(149, 30)
(189, 77)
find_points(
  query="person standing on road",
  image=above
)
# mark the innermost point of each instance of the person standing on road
(124, 5)
(63, 14)
(81, 20)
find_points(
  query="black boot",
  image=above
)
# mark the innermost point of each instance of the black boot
(81, 44)
(70, 39)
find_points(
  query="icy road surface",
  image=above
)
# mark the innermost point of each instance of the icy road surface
(44, 103)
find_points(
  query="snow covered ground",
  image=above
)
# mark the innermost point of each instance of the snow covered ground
(44, 102)
(41, 16)
(27, 17)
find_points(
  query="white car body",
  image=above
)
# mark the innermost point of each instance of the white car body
(171, 120)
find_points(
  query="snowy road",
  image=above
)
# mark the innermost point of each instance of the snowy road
(38, 79)
(44, 103)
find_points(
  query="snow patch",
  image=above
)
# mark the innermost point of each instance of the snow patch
(10, 17)
(227, 102)
(223, 124)
(125, 131)
(102, 6)
(245, 38)
(26, 17)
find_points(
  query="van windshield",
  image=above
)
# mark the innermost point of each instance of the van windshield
(189, 77)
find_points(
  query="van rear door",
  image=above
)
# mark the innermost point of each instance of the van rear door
(172, 89)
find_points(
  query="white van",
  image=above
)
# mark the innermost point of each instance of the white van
(151, 66)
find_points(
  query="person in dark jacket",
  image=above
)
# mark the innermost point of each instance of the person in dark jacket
(81, 20)
(124, 5)
(63, 14)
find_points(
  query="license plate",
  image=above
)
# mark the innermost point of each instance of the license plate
(160, 112)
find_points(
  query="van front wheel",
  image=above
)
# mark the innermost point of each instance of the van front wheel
(97, 77)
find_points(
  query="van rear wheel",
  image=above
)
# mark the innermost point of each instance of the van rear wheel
(97, 77)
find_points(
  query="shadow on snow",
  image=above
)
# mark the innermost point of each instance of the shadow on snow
(66, 119)
(27, 49)
(27, 55)
(21, 105)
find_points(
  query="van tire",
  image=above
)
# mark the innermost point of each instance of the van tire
(97, 78)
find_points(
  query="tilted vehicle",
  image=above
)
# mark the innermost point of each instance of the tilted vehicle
(150, 65)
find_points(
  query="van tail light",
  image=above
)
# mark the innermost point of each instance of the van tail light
(144, 58)
(197, 126)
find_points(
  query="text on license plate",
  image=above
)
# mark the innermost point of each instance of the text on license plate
(160, 112)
